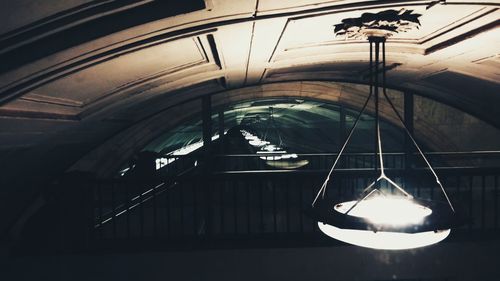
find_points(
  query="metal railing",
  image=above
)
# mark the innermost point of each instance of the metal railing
(221, 204)
(393, 160)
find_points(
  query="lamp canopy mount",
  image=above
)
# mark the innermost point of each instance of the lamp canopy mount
(382, 24)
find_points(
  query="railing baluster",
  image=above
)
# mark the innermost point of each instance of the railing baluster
(261, 206)
(221, 206)
(195, 207)
(275, 223)
(419, 187)
(432, 191)
(141, 205)
(181, 208)
(312, 194)
(287, 204)
(113, 209)
(127, 207)
(235, 188)
(155, 229)
(471, 199)
(168, 215)
(301, 206)
(496, 201)
(99, 194)
(351, 184)
(483, 201)
(249, 230)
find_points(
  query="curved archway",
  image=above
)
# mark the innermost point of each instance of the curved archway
(438, 137)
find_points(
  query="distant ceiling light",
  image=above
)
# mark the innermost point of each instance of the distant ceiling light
(270, 148)
(376, 220)
(258, 143)
(274, 155)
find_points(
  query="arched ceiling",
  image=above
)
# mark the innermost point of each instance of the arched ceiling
(227, 44)
(75, 73)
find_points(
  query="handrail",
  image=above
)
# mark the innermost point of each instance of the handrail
(474, 152)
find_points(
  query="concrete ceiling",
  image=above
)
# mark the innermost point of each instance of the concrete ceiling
(76, 73)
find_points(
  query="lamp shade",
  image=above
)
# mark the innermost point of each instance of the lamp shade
(384, 240)
(390, 223)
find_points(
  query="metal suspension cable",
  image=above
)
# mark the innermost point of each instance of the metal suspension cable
(322, 190)
(415, 142)
(325, 183)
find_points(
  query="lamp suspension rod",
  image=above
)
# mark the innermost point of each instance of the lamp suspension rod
(370, 73)
(378, 140)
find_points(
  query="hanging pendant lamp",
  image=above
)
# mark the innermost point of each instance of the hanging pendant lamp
(274, 155)
(376, 219)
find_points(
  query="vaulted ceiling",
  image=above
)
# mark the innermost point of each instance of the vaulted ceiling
(78, 74)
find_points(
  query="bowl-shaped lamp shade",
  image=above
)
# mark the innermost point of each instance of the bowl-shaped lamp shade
(385, 211)
(384, 240)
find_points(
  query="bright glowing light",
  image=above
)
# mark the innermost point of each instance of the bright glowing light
(251, 137)
(258, 142)
(275, 155)
(288, 164)
(270, 148)
(386, 210)
(384, 240)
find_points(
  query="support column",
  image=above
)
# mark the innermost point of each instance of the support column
(342, 125)
(206, 109)
(221, 131)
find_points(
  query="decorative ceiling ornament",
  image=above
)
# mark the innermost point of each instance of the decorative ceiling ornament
(376, 219)
(382, 24)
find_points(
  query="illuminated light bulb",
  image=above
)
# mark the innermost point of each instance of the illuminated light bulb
(386, 211)
(270, 147)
